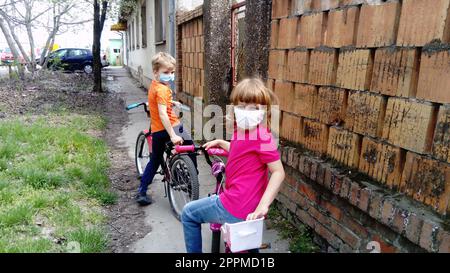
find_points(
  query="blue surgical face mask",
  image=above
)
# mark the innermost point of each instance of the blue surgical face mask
(163, 77)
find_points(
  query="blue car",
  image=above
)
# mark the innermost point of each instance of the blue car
(71, 59)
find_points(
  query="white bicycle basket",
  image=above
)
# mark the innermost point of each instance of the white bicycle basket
(243, 235)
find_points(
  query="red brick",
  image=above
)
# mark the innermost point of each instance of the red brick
(323, 5)
(312, 30)
(333, 240)
(297, 66)
(427, 235)
(299, 199)
(333, 210)
(308, 191)
(354, 193)
(364, 199)
(336, 184)
(355, 227)
(378, 25)
(441, 141)
(328, 177)
(355, 69)
(346, 235)
(300, 7)
(323, 67)
(280, 8)
(427, 181)
(313, 170)
(305, 218)
(331, 105)
(413, 228)
(387, 212)
(382, 162)
(319, 216)
(345, 188)
(275, 26)
(434, 76)
(277, 64)
(291, 127)
(305, 100)
(423, 21)
(287, 33)
(409, 124)
(285, 94)
(314, 136)
(443, 239)
(401, 217)
(396, 71)
(375, 204)
(365, 113)
(342, 27)
(320, 174)
(344, 146)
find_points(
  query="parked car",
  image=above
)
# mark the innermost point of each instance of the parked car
(6, 56)
(71, 59)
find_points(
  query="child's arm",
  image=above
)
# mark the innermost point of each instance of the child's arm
(162, 109)
(218, 143)
(276, 179)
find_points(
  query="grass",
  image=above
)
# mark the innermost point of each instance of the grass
(300, 238)
(53, 184)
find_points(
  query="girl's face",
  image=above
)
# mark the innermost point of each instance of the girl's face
(248, 115)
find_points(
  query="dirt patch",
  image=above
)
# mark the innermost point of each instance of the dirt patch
(54, 92)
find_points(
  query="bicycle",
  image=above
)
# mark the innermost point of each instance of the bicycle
(179, 173)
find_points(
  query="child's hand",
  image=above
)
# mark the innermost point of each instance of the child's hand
(177, 104)
(176, 140)
(258, 213)
(212, 144)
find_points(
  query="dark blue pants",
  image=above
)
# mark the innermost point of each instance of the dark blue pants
(159, 141)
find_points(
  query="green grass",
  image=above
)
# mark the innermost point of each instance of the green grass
(299, 238)
(53, 183)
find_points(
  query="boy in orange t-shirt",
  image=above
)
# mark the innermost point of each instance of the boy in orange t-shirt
(165, 125)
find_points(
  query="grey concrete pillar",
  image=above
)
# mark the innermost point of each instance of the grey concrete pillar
(217, 24)
(257, 20)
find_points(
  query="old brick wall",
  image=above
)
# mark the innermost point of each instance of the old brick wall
(190, 56)
(365, 97)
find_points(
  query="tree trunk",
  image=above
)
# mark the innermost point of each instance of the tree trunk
(12, 46)
(99, 21)
(30, 38)
(14, 36)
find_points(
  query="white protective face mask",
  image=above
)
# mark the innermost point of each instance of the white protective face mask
(248, 119)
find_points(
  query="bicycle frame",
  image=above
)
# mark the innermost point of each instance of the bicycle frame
(218, 171)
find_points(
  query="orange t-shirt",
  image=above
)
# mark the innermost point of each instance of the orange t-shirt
(160, 94)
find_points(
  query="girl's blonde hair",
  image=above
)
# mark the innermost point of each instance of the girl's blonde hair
(253, 90)
(163, 59)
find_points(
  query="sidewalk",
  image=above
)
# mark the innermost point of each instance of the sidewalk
(166, 233)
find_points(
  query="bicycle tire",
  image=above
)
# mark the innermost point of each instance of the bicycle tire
(140, 144)
(193, 181)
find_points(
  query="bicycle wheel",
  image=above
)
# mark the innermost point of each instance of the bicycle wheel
(142, 154)
(183, 186)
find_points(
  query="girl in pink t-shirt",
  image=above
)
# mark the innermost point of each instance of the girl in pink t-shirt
(252, 155)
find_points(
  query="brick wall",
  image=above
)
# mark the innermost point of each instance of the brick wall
(190, 55)
(365, 84)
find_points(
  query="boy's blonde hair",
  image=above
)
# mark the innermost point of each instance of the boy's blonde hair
(163, 59)
(253, 90)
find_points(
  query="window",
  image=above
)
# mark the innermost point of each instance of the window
(132, 35)
(159, 22)
(116, 50)
(144, 24)
(76, 52)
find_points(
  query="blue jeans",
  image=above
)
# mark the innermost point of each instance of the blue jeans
(159, 141)
(206, 210)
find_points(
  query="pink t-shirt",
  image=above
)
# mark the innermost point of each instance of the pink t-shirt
(247, 172)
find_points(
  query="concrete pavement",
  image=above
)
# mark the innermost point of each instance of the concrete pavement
(166, 235)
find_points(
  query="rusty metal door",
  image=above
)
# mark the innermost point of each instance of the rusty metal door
(238, 31)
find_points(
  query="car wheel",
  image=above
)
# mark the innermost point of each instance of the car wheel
(88, 69)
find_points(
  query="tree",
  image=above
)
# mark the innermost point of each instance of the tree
(99, 22)
(12, 46)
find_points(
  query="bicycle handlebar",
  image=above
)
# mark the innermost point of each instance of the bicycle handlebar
(192, 148)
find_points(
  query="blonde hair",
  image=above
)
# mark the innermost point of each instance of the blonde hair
(163, 59)
(253, 90)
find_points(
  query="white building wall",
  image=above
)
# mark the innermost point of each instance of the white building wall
(139, 59)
